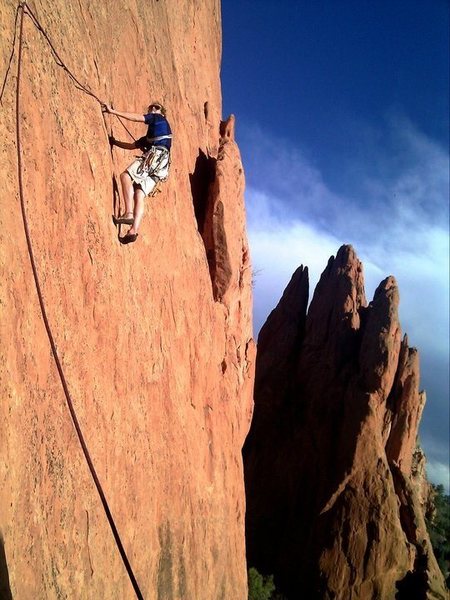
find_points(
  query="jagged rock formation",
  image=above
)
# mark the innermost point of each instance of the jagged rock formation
(331, 508)
(423, 487)
(155, 338)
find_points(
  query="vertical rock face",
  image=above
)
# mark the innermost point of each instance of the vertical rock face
(155, 338)
(331, 508)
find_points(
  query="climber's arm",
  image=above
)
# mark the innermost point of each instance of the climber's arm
(125, 115)
(124, 145)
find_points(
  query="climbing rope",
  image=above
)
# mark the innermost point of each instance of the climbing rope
(12, 53)
(83, 88)
(24, 9)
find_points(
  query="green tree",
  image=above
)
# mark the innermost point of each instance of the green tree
(260, 587)
(439, 530)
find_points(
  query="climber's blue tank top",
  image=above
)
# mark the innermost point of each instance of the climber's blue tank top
(158, 125)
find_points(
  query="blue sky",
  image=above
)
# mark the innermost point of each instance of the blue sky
(343, 123)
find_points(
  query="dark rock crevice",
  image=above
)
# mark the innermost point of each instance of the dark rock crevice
(200, 180)
(414, 585)
(209, 213)
(5, 589)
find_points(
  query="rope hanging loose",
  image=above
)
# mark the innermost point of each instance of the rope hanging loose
(12, 53)
(24, 9)
(60, 63)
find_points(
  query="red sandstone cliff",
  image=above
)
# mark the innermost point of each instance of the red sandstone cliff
(155, 338)
(332, 509)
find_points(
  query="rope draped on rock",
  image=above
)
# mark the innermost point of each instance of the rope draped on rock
(24, 9)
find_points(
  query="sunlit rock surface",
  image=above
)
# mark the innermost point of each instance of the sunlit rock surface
(155, 338)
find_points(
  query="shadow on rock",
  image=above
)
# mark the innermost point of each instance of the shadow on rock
(5, 590)
(200, 179)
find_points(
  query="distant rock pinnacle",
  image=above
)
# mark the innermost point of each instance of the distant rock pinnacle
(331, 508)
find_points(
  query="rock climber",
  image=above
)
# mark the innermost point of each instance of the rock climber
(141, 177)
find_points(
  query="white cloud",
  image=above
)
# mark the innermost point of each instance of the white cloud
(439, 473)
(400, 227)
(277, 250)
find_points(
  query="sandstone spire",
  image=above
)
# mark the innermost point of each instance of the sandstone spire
(331, 510)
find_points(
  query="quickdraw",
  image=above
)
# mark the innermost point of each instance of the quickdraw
(155, 163)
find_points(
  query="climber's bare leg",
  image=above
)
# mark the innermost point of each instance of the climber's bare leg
(128, 192)
(139, 197)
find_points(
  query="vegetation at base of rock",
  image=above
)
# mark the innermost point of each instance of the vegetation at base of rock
(262, 587)
(439, 530)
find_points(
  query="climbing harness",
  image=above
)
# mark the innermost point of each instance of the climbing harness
(24, 9)
(159, 138)
(155, 163)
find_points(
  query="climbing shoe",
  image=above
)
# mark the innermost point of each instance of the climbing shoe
(126, 219)
(128, 238)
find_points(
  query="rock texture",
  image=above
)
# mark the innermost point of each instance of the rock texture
(332, 510)
(155, 338)
(423, 487)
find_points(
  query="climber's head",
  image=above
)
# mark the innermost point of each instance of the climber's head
(157, 107)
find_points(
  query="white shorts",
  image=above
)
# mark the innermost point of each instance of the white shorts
(148, 169)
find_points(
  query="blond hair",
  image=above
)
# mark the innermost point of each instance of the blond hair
(158, 104)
